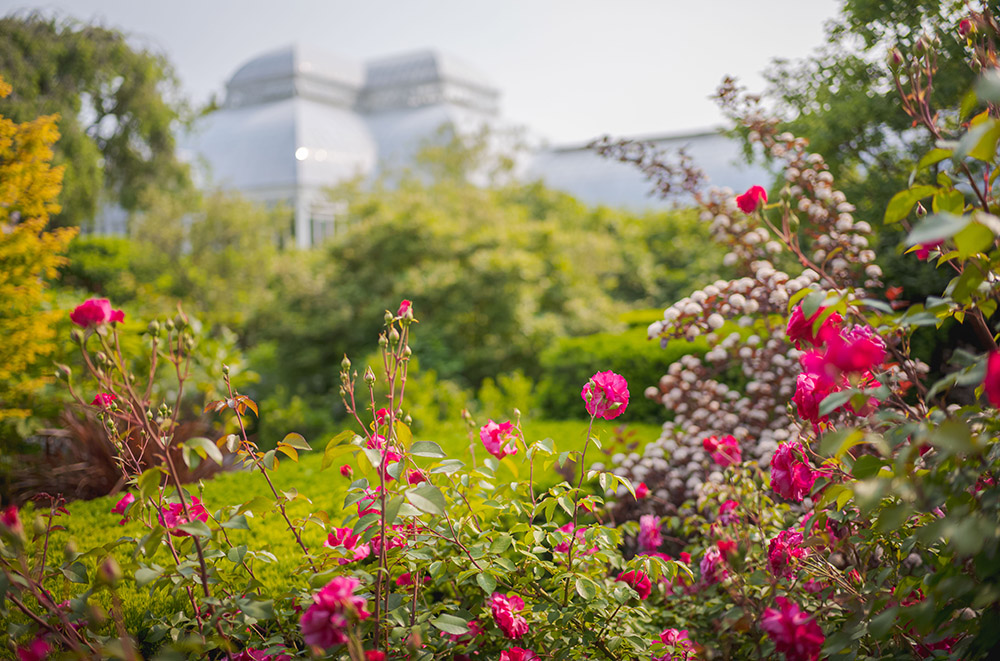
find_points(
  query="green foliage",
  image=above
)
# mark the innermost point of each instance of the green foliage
(569, 362)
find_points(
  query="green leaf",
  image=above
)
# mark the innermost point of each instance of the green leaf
(257, 609)
(297, 441)
(586, 588)
(501, 543)
(427, 449)
(268, 459)
(486, 582)
(901, 204)
(427, 498)
(392, 509)
(812, 303)
(936, 227)
(366, 521)
(867, 465)
(236, 554)
(196, 528)
(456, 626)
(935, 155)
(338, 446)
(204, 448)
(953, 437)
(962, 287)
(974, 239)
(149, 482)
(837, 443)
(147, 575)
(75, 572)
(403, 434)
(988, 86)
(835, 400)
(448, 466)
(238, 522)
(980, 142)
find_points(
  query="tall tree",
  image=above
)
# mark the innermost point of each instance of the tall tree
(118, 109)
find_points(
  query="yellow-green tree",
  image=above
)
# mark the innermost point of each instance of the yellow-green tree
(29, 186)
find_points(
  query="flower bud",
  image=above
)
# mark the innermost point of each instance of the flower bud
(180, 322)
(407, 351)
(895, 60)
(153, 328)
(108, 572)
(408, 420)
(388, 317)
(169, 325)
(394, 335)
(369, 375)
(345, 364)
(382, 341)
(225, 369)
(63, 372)
(70, 552)
(76, 335)
(38, 525)
(102, 358)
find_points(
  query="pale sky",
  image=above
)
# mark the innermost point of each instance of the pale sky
(569, 70)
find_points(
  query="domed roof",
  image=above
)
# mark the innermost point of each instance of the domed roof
(295, 70)
(424, 78)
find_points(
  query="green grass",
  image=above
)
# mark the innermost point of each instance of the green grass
(91, 523)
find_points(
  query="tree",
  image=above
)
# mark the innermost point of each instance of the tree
(29, 185)
(118, 109)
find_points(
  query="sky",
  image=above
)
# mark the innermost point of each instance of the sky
(569, 70)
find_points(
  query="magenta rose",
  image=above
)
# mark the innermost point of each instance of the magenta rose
(505, 612)
(861, 349)
(499, 439)
(991, 384)
(173, 516)
(650, 538)
(791, 475)
(103, 399)
(95, 312)
(605, 395)
(517, 654)
(345, 537)
(333, 608)
(638, 581)
(122, 506)
(751, 200)
(783, 552)
(794, 632)
(800, 329)
(679, 645)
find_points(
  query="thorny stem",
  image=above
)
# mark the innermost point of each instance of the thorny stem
(576, 506)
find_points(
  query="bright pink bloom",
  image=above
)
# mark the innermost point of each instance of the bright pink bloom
(406, 580)
(809, 392)
(346, 471)
(861, 349)
(374, 655)
(10, 520)
(638, 581)
(367, 503)
(783, 552)
(499, 440)
(713, 566)
(923, 250)
(725, 451)
(173, 516)
(727, 547)
(800, 329)
(94, 312)
(404, 308)
(791, 476)
(345, 537)
(679, 645)
(991, 385)
(332, 610)
(726, 516)
(415, 477)
(397, 536)
(260, 655)
(867, 382)
(103, 399)
(563, 546)
(749, 201)
(794, 632)
(37, 650)
(517, 654)
(605, 395)
(375, 442)
(650, 538)
(504, 608)
(642, 491)
(381, 416)
(389, 457)
(964, 27)
(122, 505)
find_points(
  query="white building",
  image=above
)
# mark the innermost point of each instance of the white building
(296, 121)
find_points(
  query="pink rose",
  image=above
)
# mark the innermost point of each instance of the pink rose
(859, 350)
(794, 632)
(333, 608)
(346, 471)
(374, 655)
(173, 516)
(751, 200)
(103, 399)
(642, 491)
(791, 476)
(725, 451)
(504, 609)
(517, 654)
(345, 537)
(415, 477)
(650, 538)
(381, 416)
(563, 546)
(605, 395)
(404, 308)
(965, 27)
(94, 312)
(11, 521)
(499, 440)
(809, 392)
(783, 552)
(991, 384)
(726, 516)
(713, 566)
(638, 581)
(122, 505)
(679, 645)
(923, 250)
(800, 329)
(36, 650)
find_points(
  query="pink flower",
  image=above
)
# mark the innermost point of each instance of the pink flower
(346, 471)
(11, 521)
(965, 27)
(94, 312)
(260, 655)
(499, 440)
(650, 538)
(563, 546)
(638, 581)
(122, 505)
(605, 395)
(517, 654)
(749, 201)
(475, 629)
(725, 452)
(713, 566)
(375, 442)
(866, 382)
(794, 632)
(367, 503)
(859, 350)
(791, 476)
(783, 552)
(405, 308)
(381, 416)
(801, 330)
(727, 547)
(504, 609)
(173, 516)
(389, 457)
(991, 385)
(374, 655)
(923, 250)
(726, 516)
(37, 650)
(104, 399)
(679, 645)
(406, 580)
(810, 390)
(397, 536)
(415, 477)
(642, 491)
(333, 608)
(345, 537)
